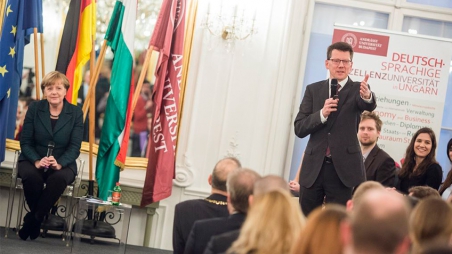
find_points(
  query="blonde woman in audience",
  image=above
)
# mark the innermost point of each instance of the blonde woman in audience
(273, 223)
(322, 231)
(430, 223)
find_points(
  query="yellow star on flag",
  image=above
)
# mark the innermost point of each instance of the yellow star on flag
(12, 52)
(8, 10)
(13, 30)
(9, 92)
(3, 70)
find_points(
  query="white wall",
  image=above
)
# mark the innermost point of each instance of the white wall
(237, 104)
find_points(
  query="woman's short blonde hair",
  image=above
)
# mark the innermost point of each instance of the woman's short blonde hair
(272, 224)
(52, 77)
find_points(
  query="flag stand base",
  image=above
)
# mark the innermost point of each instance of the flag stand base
(95, 226)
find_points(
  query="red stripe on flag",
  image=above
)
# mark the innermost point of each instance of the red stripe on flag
(70, 75)
(121, 157)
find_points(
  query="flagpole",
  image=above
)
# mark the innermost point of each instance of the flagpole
(2, 12)
(94, 78)
(41, 35)
(147, 60)
(35, 32)
(189, 35)
(91, 124)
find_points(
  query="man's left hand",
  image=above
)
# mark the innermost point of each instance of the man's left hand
(364, 90)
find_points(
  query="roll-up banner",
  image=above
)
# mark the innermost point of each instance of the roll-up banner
(409, 75)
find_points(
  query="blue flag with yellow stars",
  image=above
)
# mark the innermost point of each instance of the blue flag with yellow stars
(20, 17)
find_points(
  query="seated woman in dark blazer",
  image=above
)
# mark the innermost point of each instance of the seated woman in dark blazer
(52, 119)
(420, 167)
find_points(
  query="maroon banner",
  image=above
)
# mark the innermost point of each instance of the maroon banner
(168, 39)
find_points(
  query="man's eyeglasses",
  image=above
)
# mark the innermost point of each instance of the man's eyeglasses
(338, 61)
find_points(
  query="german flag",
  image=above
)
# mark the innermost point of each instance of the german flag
(76, 43)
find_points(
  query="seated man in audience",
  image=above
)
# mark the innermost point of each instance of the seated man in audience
(378, 225)
(421, 192)
(379, 165)
(240, 185)
(360, 191)
(215, 205)
(220, 243)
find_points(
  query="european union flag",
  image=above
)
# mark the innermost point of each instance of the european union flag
(20, 16)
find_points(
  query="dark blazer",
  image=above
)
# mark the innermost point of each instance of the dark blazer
(431, 177)
(203, 230)
(339, 132)
(221, 243)
(67, 134)
(187, 212)
(380, 167)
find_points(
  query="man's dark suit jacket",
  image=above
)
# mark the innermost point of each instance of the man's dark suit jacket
(380, 167)
(339, 132)
(203, 230)
(67, 134)
(187, 212)
(221, 243)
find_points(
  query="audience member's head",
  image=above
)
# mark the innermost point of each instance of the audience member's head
(220, 173)
(86, 77)
(378, 224)
(359, 192)
(270, 183)
(322, 231)
(369, 129)
(271, 226)
(146, 89)
(430, 221)
(412, 201)
(421, 192)
(240, 186)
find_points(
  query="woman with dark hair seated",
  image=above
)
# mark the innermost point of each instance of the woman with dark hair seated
(420, 167)
(55, 122)
(446, 188)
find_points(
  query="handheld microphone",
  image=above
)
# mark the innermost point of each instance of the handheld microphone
(333, 88)
(50, 147)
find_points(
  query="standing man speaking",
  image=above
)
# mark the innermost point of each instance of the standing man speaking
(330, 113)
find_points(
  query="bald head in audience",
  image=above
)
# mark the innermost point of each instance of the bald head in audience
(378, 224)
(270, 183)
(220, 174)
(360, 191)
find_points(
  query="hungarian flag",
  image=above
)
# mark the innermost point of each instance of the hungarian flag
(20, 17)
(76, 43)
(115, 131)
(168, 39)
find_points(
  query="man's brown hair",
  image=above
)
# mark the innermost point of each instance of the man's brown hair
(341, 46)
(371, 115)
(421, 192)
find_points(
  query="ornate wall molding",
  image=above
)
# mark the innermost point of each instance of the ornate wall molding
(184, 173)
(233, 150)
